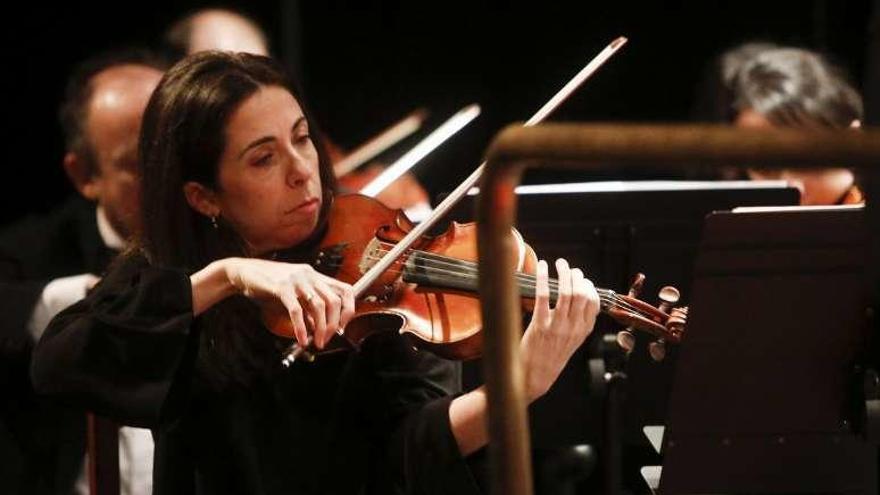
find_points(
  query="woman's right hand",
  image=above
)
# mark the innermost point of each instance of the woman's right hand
(315, 303)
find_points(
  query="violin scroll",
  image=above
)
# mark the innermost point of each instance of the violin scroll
(626, 339)
(665, 322)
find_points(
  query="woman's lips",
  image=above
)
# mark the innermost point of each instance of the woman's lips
(307, 206)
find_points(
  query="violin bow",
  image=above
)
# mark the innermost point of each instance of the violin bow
(448, 129)
(378, 144)
(370, 276)
(459, 192)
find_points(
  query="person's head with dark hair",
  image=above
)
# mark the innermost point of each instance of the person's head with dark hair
(796, 88)
(791, 87)
(214, 29)
(100, 117)
(230, 161)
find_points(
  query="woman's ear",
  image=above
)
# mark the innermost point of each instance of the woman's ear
(202, 199)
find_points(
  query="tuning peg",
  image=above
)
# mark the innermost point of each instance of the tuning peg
(626, 340)
(635, 288)
(669, 295)
(657, 350)
(677, 320)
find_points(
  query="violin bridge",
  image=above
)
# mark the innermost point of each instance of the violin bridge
(371, 255)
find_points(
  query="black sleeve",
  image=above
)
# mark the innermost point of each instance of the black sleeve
(428, 454)
(127, 350)
(413, 393)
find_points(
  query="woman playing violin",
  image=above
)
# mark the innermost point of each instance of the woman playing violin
(235, 188)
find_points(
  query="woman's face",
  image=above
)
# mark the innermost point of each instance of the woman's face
(269, 182)
(820, 186)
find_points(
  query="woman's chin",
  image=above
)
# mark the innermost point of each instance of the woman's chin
(286, 236)
(291, 236)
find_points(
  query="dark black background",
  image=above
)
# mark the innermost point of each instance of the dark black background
(366, 64)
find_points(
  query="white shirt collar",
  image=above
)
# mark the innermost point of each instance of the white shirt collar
(111, 238)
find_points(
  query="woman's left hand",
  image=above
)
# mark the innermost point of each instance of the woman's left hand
(555, 334)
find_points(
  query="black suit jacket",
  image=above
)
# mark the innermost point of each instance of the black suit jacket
(41, 443)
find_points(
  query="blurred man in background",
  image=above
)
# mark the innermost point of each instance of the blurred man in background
(48, 263)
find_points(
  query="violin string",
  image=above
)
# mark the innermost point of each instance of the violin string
(455, 262)
(526, 281)
(523, 278)
(473, 265)
(609, 298)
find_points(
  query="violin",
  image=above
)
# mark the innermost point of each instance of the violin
(426, 286)
(430, 293)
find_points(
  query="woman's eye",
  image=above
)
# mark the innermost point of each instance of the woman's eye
(302, 138)
(264, 160)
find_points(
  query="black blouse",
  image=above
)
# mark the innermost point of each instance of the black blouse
(372, 421)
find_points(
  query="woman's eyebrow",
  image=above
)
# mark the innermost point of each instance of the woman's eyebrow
(264, 139)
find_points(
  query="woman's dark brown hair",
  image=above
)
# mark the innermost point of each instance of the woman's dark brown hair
(183, 136)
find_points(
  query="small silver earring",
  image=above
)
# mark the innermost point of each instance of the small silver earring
(214, 222)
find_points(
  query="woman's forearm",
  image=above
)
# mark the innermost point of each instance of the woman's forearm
(210, 285)
(467, 419)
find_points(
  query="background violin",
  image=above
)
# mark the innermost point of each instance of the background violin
(354, 170)
(404, 193)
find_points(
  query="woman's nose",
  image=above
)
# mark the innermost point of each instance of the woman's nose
(298, 171)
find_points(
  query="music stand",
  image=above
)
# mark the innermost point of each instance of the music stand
(614, 229)
(763, 398)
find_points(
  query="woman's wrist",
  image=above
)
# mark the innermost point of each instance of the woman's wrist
(230, 269)
(536, 385)
(212, 284)
(467, 420)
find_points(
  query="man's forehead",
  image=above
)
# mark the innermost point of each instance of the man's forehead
(126, 73)
(118, 82)
(119, 97)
